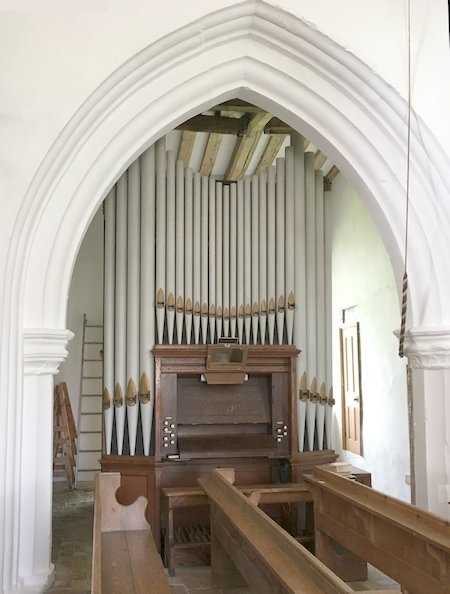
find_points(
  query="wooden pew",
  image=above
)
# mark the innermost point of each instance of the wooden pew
(269, 559)
(125, 557)
(408, 544)
(180, 498)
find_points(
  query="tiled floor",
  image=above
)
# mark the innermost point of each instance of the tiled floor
(73, 513)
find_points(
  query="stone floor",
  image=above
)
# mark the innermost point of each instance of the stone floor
(73, 513)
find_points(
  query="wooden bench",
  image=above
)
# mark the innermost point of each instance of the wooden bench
(177, 540)
(243, 537)
(125, 558)
(410, 545)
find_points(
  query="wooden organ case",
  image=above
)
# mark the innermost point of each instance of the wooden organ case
(203, 420)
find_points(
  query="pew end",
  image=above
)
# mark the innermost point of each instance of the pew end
(125, 557)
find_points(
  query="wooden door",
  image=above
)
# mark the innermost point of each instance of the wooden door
(351, 387)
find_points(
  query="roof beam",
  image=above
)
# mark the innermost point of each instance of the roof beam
(210, 154)
(270, 152)
(186, 146)
(276, 126)
(245, 147)
(329, 177)
(319, 159)
(238, 105)
(217, 124)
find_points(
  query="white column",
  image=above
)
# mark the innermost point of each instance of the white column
(428, 352)
(431, 402)
(44, 350)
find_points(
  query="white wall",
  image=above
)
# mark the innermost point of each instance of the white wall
(362, 275)
(85, 297)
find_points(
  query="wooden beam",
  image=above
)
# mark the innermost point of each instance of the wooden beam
(276, 126)
(239, 106)
(270, 152)
(210, 154)
(319, 159)
(245, 147)
(218, 124)
(329, 177)
(186, 146)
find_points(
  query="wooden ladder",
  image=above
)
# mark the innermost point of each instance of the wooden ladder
(64, 435)
(90, 409)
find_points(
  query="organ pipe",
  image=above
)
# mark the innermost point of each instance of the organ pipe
(108, 316)
(179, 261)
(233, 260)
(240, 259)
(160, 236)
(212, 258)
(271, 234)
(226, 260)
(310, 232)
(300, 280)
(133, 290)
(255, 302)
(262, 229)
(147, 294)
(290, 247)
(188, 253)
(280, 249)
(189, 258)
(219, 259)
(197, 256)
(247, 257)
(204, 259)
(120, 318)
(320, 301)
(171, 244)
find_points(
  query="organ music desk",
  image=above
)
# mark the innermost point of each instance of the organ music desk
(200, 425)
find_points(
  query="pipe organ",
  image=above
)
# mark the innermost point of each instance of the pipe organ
(190, 260)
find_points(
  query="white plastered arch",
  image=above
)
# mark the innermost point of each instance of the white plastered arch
(252, 51)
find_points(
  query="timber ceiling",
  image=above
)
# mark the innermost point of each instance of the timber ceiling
(235, 139)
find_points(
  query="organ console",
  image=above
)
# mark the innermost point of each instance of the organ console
(246, 421)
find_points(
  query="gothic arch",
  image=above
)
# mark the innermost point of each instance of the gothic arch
(257, 52)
